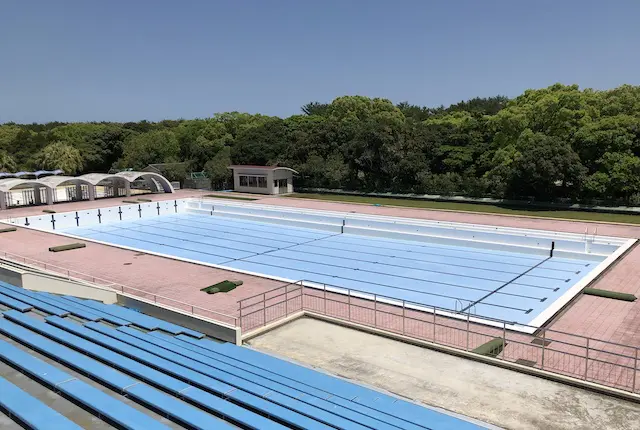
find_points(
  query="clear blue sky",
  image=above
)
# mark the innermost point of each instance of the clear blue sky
(128, 60)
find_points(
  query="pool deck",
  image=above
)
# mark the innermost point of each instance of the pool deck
(605, 319)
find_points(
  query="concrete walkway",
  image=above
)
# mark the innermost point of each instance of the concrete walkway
(491, 394)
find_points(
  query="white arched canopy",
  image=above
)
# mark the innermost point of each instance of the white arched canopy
(155, 180)
(98, 178)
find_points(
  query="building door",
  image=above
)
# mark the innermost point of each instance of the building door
(283, 186)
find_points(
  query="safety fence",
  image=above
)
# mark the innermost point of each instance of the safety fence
(593, 360)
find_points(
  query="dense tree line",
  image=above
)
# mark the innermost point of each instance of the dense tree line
(556, 142)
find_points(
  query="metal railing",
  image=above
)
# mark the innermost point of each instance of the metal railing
(594, 360)
(156, 298)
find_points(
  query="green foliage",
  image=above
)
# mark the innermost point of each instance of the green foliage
(7, 163)
(59, 155)
(217, 169)
(159, 146)
(559, 142)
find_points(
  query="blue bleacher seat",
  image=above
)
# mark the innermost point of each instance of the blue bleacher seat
(289, 400)
(81, 304)
(126, 314)
(72, 309)
(38, 304)
(203, 399)
(15, 304)
(381, 402)
(31, 411)
(79, 391)
(216, 359)
(241, 385)
(177, 354)
(195, 378)
(157, 399)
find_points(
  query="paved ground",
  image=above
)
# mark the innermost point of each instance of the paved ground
(491, 394)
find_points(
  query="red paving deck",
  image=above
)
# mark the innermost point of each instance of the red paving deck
(593, 317)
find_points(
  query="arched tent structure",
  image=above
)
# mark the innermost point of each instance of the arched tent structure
(156, 182)
(8, 186)
(53, 182)
(45, 189)
(107, 184)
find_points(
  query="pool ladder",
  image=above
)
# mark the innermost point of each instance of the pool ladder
(589, 241)
(471, 308)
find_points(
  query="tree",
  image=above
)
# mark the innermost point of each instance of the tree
(217, 168)
(7, 163)
(547, 167)
(159, 146)
(58, 155)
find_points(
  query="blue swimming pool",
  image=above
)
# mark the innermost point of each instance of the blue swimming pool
(499, 278)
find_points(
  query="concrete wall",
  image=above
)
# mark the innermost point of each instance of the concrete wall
(211, 328)
(51, 284)
(11, 275)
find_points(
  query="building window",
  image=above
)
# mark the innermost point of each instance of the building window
(244, 181)
(262, 182)
(253, 182)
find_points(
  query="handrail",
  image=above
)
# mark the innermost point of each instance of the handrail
(111, 284)
(408, 305)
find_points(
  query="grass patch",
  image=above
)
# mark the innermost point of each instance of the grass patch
(48, 211)
(609, 294)
(145, 200)
(7, 229)
(474, 207)
(222, 287)
(491, 348)
(67, 247)
(216, 196)
(135, 202)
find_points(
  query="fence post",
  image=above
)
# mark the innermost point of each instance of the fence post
(434, 323)
(375, 310)
(286, 301)
(635, 370)
(264, 308)
(544, 336)
(324, 301)
(349, 303)
(468, 314)
(504, 337)
(403, 316)
(586, 361)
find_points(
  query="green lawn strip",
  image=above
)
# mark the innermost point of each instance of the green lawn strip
(474, 207)
(48, 211)
(131, 201)
(609, 294)
(222, 287)
(144, 200)
(217, 196)
(67, 247)
(7, 229)
(491, 348)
